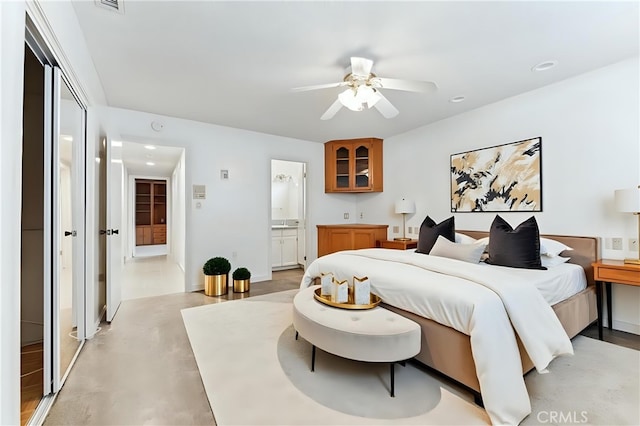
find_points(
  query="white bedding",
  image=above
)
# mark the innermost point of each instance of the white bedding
(556, 284)
(482, 301)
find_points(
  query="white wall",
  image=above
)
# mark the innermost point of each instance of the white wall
(590, 146)
(234, 218)
(12, 21)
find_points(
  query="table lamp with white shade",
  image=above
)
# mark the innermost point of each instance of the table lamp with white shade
(404, 207)
(628, 201)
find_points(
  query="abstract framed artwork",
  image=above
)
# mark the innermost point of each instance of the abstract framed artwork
(500, 178)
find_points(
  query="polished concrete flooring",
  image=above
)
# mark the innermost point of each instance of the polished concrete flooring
(151, 276)
(140, 368)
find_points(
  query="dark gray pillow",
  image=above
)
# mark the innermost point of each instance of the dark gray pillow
(429, 231)
(516, 248)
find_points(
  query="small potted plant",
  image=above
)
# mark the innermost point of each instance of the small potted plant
(216, 273)
(241, 280)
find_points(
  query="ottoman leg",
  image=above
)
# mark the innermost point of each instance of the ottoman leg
(392, 371)
(296, 335)
(313, 357)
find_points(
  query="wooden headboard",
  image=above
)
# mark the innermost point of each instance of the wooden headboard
(585, 249)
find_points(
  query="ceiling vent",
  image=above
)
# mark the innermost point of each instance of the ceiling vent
(112, 5)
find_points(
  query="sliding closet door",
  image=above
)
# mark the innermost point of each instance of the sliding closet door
(50, 333)
(68, 135)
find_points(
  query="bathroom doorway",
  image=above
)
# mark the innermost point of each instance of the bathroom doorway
(288, 214)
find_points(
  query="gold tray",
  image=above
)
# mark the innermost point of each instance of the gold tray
(375, 300)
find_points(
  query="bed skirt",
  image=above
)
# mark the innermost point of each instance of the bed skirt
(449, 351)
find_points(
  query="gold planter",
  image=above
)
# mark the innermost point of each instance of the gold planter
(215, 285)
(241, 286)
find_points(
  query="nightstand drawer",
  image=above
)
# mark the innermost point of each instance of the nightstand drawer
(398, 245)
(618, 275)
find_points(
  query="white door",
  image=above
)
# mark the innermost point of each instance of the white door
(64, 204)
(115, 258)
(51, 332)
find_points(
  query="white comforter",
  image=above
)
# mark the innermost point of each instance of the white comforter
(487, 304)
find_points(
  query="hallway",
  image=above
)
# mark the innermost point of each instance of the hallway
(151, 276)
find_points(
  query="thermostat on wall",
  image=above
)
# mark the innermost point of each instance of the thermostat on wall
(199, 192)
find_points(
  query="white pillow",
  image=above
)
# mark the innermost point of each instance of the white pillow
(551, 248)
(465, 252)
(549, 262)
(464, 239)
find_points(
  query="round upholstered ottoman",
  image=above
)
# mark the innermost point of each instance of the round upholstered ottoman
(372, 335)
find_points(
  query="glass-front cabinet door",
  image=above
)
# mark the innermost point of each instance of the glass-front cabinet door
(353, 165)
(361, 175)
(343, 167)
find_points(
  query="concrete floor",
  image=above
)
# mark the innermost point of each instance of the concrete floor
(140, 368)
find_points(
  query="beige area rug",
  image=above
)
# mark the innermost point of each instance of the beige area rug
(256, 373)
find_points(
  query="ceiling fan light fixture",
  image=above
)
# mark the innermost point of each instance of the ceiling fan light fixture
(349, 99)
(373, 99)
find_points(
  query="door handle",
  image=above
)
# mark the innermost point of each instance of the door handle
(72, 233)
(115, 231)
(102, 232)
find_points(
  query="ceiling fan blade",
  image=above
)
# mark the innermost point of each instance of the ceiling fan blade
(361, 66)
(406, 85)
(318, 86)
(333, 109)
(385, 107)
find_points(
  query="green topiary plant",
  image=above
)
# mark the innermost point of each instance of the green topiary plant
(216, 266)
(241, 274)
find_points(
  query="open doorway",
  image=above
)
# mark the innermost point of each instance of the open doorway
(288, 215)
(154, 201)
(32, 256)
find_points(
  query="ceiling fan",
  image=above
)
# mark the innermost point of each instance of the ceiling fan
(363, 90)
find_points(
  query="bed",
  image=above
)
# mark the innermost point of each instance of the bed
(448, 347)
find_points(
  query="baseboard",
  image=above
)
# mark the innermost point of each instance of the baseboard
(254, 279)
(197, 287)
(626, 326)
(259, 278)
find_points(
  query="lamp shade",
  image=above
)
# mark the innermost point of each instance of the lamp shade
(627, 200)
(405, 206)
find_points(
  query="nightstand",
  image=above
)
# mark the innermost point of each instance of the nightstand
(398, 245)
(607, 271)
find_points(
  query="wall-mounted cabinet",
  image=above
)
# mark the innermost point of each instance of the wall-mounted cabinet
(353, 165)
(151, 212)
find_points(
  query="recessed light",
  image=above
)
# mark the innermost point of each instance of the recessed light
(149, 163)
(543, 66)
(150, 147)
(456, 99)
(116, 143)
